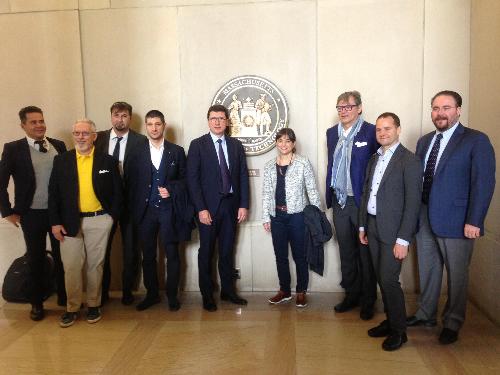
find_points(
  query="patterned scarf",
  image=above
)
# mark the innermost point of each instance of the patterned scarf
(342, 161)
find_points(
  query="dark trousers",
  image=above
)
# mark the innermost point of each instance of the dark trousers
(387, 269)
(159, 222)
(289, 228)
(130, 255)
(358, 276)
(35, 226)
(223, 230)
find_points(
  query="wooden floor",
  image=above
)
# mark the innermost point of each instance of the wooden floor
(257, 339)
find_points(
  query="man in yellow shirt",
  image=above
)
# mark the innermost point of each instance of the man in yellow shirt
(85, 196)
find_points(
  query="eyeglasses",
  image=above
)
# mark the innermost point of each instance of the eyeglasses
(446, 108)
(215, 119)
(83, 134)
(347, 108)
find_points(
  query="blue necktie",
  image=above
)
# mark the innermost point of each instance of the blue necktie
(430, 168)
(224, 170)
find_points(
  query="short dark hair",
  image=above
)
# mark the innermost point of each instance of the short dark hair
(29, 109)
(394, 117)
(155, 113)
(121, 106)
(454, 94)
(218, 108)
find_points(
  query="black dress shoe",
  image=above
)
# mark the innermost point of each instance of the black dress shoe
(367, 312)
(448, 336)
(37, 313)
(173, 304)
(394, 341)
(209, 304)
(382, 330)
(346, 305)
(233, 298)
(413, 321)
(127, 299)
(147, 303)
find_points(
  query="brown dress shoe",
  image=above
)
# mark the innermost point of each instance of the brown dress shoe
(301, 299)
(280, 297)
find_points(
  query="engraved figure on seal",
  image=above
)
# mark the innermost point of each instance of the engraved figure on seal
(234, 115)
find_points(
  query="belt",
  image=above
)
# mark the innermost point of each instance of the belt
(281, 208)
(92, 214)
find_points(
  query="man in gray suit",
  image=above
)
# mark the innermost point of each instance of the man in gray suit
(388, 219)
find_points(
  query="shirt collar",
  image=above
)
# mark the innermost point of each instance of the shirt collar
(153, 147)
(31, 142)
(391, 149)
(80, 156)
(448, 132)
(113, 135)
(215, 138)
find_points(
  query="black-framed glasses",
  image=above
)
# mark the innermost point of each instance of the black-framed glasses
(347, 108)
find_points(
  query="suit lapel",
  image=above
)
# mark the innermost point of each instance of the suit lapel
(398, 154)
(26, 156)
(450, 147)
(373, 163)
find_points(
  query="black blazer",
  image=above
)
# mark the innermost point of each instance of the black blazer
(16, 162)
(134, 141)
(398, 197)
(204, 177)
(138, 176)
(64, 189)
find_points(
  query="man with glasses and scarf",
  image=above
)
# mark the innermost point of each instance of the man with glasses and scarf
(351, 143)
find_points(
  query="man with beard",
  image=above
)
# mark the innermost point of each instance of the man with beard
(458, 185)
(158, 202)
(120, 142)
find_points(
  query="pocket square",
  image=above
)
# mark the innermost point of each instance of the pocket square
(101, 171)
(173, 163)
(361, 144)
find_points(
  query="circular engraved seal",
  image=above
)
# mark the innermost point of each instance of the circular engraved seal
(257, 110)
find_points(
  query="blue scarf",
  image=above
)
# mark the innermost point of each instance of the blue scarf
(342, 161)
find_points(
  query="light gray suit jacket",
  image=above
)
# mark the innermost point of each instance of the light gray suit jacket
(398, 198)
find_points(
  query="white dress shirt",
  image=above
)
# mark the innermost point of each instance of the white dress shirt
(156, 154)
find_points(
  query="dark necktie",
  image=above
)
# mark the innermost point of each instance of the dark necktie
(224, 170)
(41, 146)
(430, 168)
(116, 151)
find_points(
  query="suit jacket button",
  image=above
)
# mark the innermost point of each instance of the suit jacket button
(147, 199)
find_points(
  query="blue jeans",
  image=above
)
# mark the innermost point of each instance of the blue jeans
(289, 228)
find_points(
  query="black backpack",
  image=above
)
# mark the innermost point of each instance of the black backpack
(15, 283)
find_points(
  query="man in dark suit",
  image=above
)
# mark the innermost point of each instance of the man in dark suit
(85, 196)
(156, 186)
(459, 181)
(218, 185)
(29, 162)
(388, 219)
(350, 144)
(120, 142)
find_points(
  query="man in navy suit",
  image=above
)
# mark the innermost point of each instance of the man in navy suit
(29, 162)
(218, 186)
(157, 198)
(459, 181)
(120, 142)
(351, 143)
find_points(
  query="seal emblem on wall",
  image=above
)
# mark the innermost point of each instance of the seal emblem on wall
(257, 110)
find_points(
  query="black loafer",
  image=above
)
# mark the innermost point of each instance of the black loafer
(233, 298)
(367, 312)
(37, 313)
(209, 304)
(413, 321)
(127, 299)
(394, 341)
(173, 304)
(346, 305)
(448, 336)
(147, 303)
(382, 330)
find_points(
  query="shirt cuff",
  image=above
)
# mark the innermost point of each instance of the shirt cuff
(362, 229)
(402, 242)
